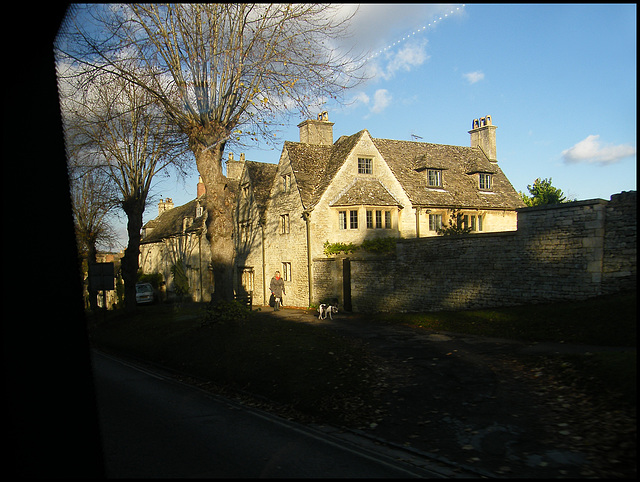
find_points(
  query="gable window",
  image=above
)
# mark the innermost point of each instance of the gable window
(485, 181)
(245, 229)
(365, 165)
(286, 183)
(342, 219)
(353, 219)
(434, 178)
(284, 224)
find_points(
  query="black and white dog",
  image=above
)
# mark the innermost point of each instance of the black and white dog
(325, 310)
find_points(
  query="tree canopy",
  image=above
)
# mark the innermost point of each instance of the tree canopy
(542, 193)
(221, 73)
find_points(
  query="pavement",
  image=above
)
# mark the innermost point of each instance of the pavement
(474, 404)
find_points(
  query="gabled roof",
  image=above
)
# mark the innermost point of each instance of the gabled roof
(409, 160)
(314, 166)
(261, 175)
(170, 223)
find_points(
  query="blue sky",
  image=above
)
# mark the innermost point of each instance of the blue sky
(559, 82)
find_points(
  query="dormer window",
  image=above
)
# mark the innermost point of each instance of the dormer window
(485, 182)
(365, 165)
(434, 177)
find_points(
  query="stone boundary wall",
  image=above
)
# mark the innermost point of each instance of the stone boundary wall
(620, 243)
(568, 251)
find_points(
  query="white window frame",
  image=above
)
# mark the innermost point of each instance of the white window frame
(434, 178)
(342, 220)
(286, 271)
(485, 181)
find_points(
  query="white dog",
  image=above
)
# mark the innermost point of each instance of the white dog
(326, 310)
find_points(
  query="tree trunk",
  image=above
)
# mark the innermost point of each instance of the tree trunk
(92, 259)
(131, 256)
(219, 201)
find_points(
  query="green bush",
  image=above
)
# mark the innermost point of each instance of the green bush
(180, 280)
(376, 245)
(337, 248)
(379, 245)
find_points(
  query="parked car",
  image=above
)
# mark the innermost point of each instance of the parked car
(145, 293)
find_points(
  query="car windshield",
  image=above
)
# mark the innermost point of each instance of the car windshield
(144, 289)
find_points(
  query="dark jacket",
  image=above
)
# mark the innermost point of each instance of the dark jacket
(277, 287)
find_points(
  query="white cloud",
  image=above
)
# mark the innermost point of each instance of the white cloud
(591, 151)
(381, 99)
(473, 77)
(359, 98)
(378, 25)
(411, 55)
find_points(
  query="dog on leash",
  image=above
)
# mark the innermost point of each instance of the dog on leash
(325, 310)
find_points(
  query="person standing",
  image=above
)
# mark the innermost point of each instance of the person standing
(277, 290)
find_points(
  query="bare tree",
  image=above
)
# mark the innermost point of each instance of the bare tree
(223, 73)
(114, 128)
(92, 202)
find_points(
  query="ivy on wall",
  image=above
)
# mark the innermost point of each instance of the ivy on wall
(376, 245)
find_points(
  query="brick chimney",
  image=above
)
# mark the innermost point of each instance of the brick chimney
(483, 135)
(234, 168)
(200, 189)
(317, 132)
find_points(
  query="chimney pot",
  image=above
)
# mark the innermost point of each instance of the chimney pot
(234, 168)
(483, 135)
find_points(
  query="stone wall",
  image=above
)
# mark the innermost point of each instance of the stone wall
(620, 243)
(569, 251)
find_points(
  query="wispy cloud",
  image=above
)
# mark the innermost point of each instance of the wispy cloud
(381, 99)
(590, 151)
(359, 98)
(473, 77)
(411, 55)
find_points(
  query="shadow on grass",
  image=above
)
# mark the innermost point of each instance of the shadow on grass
(319, 372)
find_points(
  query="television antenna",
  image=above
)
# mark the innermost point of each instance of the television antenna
(415, 136)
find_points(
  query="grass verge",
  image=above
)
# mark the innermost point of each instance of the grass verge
(320, 373)
(604, 321)
(311, 369)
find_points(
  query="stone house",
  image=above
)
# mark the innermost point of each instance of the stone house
(178, 235)
(356, 188)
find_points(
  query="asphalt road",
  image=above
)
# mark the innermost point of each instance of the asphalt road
(154, 426)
